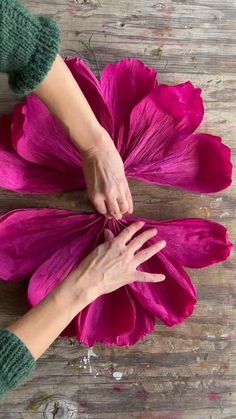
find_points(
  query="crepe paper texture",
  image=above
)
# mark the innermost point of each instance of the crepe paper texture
(47, 244)
(152, 126)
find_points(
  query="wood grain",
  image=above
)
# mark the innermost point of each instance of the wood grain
(185, 372)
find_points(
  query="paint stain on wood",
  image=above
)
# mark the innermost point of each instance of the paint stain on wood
(212, 396)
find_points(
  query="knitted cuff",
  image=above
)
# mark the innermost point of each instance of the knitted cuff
(26, 79)
(16, 361)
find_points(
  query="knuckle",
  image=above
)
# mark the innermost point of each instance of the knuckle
(110, 190)
(95, 196)
(123, 206)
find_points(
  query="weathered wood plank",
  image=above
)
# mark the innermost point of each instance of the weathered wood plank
(186, 372)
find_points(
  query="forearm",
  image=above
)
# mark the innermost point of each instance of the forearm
(64, 98)
(41, 325)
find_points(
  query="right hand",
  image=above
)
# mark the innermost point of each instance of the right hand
(114, 264)
(107, 186)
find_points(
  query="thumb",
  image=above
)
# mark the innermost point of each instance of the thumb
(108, 235)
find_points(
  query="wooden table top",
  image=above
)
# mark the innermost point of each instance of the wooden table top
(185, 372)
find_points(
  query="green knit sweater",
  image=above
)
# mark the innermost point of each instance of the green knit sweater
(28, 47)
(16, 361)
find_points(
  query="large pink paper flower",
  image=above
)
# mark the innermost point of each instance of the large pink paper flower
(47, 244)
(152, 126)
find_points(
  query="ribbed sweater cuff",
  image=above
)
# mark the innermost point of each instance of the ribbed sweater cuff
(29, 77)
(16, 361)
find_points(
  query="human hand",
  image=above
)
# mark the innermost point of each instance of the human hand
(107, 185)
(114, 264)
(110, 266)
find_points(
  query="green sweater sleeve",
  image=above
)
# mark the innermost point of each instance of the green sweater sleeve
(28, 46)
(16, 361)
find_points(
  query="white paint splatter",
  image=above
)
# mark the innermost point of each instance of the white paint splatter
(209, 335)
(87, 362)
(224, 214)
(91, 353)
(117, 375)
(224, 335)
(216, 203)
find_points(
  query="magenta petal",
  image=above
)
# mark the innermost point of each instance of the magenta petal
(171, 300)
(54, 270)
(144, 324)
(184, 103)
(160, 150)
(123, 85)
(5, 133)
(39, 138)
(194, 242)
(20, 175)
(158, 121)
(91, 89)
(83, 235)
(29, 237)
(199, 163)
(109, 319)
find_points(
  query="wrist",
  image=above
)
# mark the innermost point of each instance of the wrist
(72, 297)
(87, 136)
(100, 143)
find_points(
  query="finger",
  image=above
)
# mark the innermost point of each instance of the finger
(113, 208)
(130, 202)
(108, 235)
(99, 203)
(136, 243)
(127, 234)
(123, 205)
(129, 199)
(147, 253)
(148, 277)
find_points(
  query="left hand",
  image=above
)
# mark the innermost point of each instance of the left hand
(104, 173)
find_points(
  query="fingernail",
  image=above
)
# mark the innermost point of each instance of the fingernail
(154, 230)
(162, 277)
(163, 243)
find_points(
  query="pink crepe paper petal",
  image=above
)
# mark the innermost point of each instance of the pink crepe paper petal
(49, 275)
(51, 243)
(151, 126)
(91, 89)
(29, 237)
(184, 103)
(109, 319)
(194, 242)
(123, 85)
(187, 165)
(101, 321)
(145, 323)
(166, 114)
(59, 265)
(171, 300)
(39, 138)
(123, 330)
(20, 175)
(160, 150)
(5, 133)
(94, 322)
